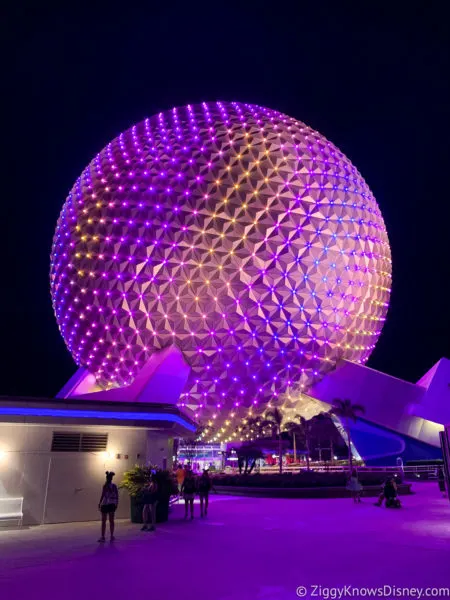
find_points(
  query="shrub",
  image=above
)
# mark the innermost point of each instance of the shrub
(137, 477)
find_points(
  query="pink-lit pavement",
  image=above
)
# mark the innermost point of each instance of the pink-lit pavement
(247, 549)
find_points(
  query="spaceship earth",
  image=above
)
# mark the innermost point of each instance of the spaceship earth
(234, 232)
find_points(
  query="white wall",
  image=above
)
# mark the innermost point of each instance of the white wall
(66, 486)
(159, 450)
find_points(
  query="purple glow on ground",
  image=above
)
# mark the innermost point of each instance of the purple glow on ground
(249, 548)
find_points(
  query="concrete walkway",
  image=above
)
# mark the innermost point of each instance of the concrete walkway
(247, 549)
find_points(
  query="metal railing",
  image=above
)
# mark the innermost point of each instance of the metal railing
(295, 468)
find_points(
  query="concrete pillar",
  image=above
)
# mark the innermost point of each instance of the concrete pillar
(159, 450)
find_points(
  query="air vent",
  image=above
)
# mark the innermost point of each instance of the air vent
(93, 442)
(71, 441)
(66, 441)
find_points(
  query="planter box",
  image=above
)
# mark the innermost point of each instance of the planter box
(136, 507)
(313, 492)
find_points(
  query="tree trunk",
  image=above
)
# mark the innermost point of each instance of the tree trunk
(176, 445)
(307, 452)
(280, 455)
(295, 447)
(350, 456)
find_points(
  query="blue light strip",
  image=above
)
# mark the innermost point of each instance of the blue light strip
(95, 414)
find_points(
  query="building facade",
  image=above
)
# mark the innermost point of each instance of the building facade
(401, 419)
(54, 453)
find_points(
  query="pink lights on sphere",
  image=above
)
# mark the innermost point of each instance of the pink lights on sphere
(234, 232)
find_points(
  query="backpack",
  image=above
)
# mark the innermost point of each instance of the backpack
(189, 486)
(204, 484)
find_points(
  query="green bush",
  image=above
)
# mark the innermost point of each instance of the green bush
(137, 477)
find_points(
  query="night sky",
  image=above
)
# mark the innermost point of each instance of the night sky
(373, 80)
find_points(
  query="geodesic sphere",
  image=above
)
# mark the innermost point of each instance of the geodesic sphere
(233, 231)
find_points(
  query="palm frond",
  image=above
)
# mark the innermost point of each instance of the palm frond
(292, 426)
(345, 409)
(274, 415)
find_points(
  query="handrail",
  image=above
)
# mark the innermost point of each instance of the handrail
(340, 468)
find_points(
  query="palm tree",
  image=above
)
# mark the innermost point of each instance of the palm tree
(252, 427)
(249, 429)
(324, 428)
(302, 428)
(247, 455)
(274, 418)
(346, 412)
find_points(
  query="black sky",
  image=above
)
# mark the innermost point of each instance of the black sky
(372, 77)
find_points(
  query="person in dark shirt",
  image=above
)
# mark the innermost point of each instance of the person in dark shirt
(107, 505)
(204, 487)
(441, 480)
(389, 494)
(188, 490)
(150, 497)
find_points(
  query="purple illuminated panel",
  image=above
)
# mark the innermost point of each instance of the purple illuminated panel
(234, 232)
(94, 414)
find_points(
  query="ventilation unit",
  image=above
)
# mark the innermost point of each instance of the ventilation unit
(72, 441)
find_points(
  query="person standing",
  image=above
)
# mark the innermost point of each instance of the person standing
(150, 501)
(204, 487)
(355, 487)
(441, 480)
(188, 490)
(109, 501)
(180, 475)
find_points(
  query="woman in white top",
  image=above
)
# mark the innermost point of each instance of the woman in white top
(355, 487)
(109, 501)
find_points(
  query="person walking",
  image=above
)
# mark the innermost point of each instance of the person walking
(355, 487)
(109, 500)
(188, 490)
(204, 487)
(150, 498)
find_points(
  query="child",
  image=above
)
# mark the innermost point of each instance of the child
(355, 487)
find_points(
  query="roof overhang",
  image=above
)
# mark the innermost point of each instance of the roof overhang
(162, 417)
